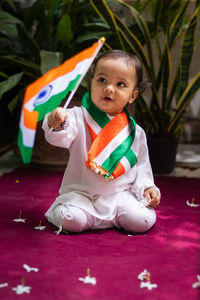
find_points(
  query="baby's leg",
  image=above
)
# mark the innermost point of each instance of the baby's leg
(71, 218)
(133, 216)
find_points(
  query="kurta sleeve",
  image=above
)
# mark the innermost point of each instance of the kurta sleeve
(144, 176)
(62, 138)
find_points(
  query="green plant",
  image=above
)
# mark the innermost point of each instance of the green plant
(162, 115)
(34, 39)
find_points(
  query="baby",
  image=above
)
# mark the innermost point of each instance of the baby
(108, 177)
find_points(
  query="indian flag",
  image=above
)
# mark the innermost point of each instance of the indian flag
(47, 92)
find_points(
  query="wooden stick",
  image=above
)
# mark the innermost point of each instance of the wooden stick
(22, 281)
(88, 272)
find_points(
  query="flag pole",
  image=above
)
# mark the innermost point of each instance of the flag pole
(101, 41)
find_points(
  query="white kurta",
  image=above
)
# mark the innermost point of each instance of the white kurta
(84, 188)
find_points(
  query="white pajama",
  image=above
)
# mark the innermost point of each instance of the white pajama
(87, 200)
(129, 213)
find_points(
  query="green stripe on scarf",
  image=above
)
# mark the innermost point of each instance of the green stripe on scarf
(98, 115)
(131, 157)
(118, 153)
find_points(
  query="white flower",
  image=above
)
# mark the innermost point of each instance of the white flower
(196, 284)
(2, 285)
(192, 204)
(20, 289)
(40, 227)
(148, 285)
(29, 269)
(88, 279)
(143, 275)
(19, 220)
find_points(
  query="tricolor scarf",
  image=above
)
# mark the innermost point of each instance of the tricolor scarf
(110, 154)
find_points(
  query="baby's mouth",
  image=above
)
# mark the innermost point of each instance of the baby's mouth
(107, 99)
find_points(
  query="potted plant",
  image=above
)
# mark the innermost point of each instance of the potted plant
(160, 114)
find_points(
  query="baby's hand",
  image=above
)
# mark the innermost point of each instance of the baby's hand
(153, 197)
(56, 118)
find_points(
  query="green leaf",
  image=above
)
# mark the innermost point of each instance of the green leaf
(174, 32)
(140, 5)
(185, 99)
(94, 27)
(157, 7)
(93, 31)
(52, 5)
(163, 13)
(105, 13)
(8, 84)
(146, 112)
(142, 26)
(49, 60)
(13, 103)
(64, 30)
(186, 55)
(172, 92)
(8, 23)
(177, 25)
(134, 44)
(166, 75)
(66, 2)
(27, 40)
(91, 36)
(138, 49)
(4, 75)
(11, 4)
(21, 62)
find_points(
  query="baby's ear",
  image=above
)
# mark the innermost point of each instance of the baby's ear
(134, 96)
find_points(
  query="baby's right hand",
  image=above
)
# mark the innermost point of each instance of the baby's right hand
(56, 118)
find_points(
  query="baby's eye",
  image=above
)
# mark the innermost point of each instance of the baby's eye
(101, 79)
(121, 83)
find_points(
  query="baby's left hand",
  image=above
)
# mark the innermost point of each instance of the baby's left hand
(152, 195)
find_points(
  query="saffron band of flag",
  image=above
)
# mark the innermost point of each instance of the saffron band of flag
(47, 92)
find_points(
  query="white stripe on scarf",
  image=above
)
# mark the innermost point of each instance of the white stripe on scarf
(114, 143)
(91, 122)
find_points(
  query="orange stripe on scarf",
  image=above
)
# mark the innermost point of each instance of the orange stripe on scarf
(92, 133)
(119, 170)
(107, 134)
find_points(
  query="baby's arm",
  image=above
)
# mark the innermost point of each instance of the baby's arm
(143, 186)
(57, 118)
(152, 196)
(60, 127)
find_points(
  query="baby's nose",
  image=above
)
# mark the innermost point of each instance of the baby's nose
(108, 89)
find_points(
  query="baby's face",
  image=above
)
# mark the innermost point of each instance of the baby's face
(113, 83)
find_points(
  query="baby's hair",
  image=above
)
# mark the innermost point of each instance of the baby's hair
(130, 58)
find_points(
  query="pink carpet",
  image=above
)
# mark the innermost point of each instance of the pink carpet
(170, 251)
